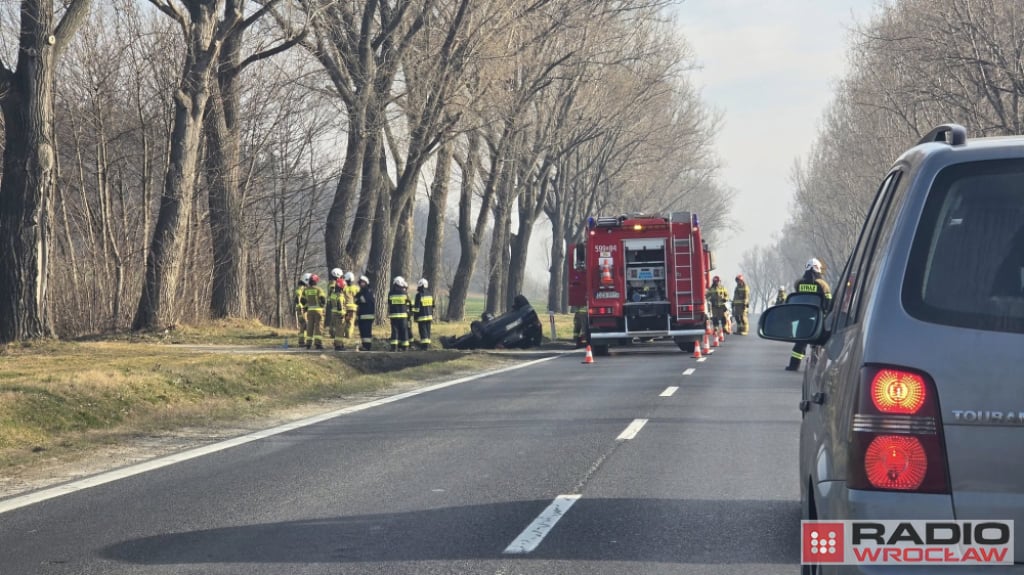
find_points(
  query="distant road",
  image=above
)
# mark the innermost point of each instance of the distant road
(644, 462)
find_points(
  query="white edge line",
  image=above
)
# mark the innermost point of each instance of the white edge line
(535, 532)
(689, 371)
(632, 429)
(669, 391)
(701, 360)
(19, 501)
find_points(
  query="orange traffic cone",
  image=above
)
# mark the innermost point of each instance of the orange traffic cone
(714, 340)
(707, 346)
(696, 350)
(589, 358)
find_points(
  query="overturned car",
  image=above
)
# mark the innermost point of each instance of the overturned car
(519, 328)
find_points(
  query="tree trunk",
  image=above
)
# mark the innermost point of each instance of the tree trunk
(557, 269)
(499, 247)
(28, 185)
(434, 238)
(401, 259)
(344, 194)
(364, 225)
(229, 296)
(469, 237)
(158, 304)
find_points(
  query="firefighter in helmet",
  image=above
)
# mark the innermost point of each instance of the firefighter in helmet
(780, 298)
(366, 308)
(423, 311)
(740, 306)
(398, 312)
(336, 307)
(351, 289)
(300, 310)
(314, 300)
(812, 283)
(718, 300)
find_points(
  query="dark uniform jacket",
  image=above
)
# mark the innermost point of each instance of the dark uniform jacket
(398, 303)
(366, 306)
(423, 308)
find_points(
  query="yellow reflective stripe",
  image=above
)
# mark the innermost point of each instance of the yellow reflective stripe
(808, 288)
(798, 355)
(427, 300)
(367, 316)
(398, 315)
(425, 318)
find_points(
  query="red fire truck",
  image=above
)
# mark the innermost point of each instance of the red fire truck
(641, 277)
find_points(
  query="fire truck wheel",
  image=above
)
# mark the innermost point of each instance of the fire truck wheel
(686, 346)
(601, 350)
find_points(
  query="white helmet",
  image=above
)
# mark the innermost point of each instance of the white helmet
(336, 273)
(350, 277)
(306, 277)
(400, 282)
(813, 264)
(364, 279)
(422, 283)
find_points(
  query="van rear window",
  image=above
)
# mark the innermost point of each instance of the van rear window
(967, 261)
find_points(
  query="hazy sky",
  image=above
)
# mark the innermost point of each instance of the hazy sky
(769, 66)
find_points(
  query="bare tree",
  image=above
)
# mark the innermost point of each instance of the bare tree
(28, 186)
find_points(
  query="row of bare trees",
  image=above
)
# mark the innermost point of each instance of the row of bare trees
(915, 65)
(167, 161)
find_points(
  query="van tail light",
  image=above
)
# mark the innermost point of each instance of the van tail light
(896, 442)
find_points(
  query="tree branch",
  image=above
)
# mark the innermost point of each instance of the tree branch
(72, 20)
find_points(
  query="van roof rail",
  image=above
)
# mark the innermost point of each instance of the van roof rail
(952, 134)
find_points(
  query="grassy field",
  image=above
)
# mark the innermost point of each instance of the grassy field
(58, 399)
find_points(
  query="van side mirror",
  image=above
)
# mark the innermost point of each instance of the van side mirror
(793, 322)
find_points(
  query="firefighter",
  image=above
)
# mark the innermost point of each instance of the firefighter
(300, 310)
(718, 300)
(332, 286)
(313, 299)
(579, 323)
(811, 283)
(398, 312)
(351, 289)
(740, 305)
(366, 310)
(423, 311)
(336, 308)
(780, 298)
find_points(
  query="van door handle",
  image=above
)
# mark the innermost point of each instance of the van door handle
(805, 405)
(818, 398)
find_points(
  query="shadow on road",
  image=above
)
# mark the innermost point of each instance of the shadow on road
(648, 530)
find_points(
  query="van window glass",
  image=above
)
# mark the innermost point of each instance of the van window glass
(967, 261)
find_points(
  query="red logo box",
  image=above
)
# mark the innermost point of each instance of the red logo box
(822, 542)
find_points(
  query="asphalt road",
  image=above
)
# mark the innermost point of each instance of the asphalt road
(556, 468)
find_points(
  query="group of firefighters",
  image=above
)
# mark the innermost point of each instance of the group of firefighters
(348, 304)
(718, 300)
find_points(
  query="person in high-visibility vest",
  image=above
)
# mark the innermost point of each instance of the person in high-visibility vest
(718, 301)
(351, 289)
(336, 308)
(811, 283)
(300, 310)
(740, 303)
(365, 313)
(398, 312)
(314, 300)
(423, 311)
(780, 298)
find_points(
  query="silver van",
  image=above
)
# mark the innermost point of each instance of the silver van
(913, 395)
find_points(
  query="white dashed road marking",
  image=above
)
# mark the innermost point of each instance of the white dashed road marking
(633, 429)
(535, 532)
(669, 391)
(689, 371)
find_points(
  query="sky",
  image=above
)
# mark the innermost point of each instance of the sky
(769, 67)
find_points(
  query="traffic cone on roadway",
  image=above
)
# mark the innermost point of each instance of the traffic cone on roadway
(696, 350)
(589, 358)
(714, 340)
(707, 346)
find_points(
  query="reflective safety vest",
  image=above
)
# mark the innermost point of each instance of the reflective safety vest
(313, 298)
(298, 299)
(717, 296)
(423, 309)
(350, 297)
(337, 300)
(398, 305)
(741, 294)
(816, 287)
